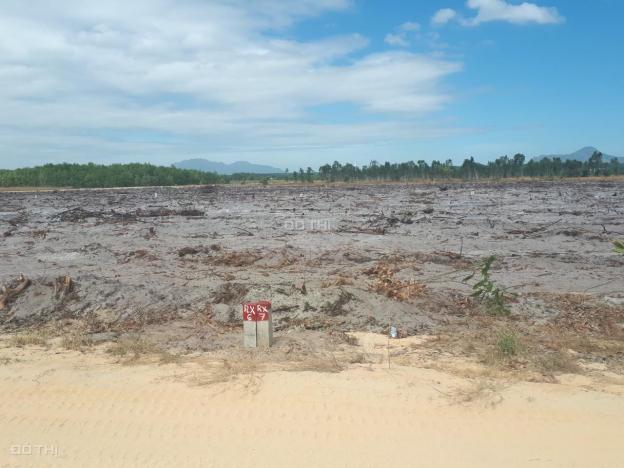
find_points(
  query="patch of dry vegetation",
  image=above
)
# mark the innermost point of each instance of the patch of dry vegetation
(132, 349)
(76, 340)
(229, 293)
(336, 281)
(235, 258)
(248, 367)
(557, 362)
(585, 314)
(342, 337)
(387, 285)
(486, 392)
(337, 307)
(30, 338)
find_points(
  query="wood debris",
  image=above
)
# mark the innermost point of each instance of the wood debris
(8, 293)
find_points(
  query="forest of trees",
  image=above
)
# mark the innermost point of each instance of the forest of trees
(502, 167)
(93, 175)
(135, 175)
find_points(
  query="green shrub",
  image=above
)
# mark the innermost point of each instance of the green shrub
(507, 344)
(487, 291)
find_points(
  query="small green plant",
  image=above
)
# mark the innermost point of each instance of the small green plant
(487, 291)
(507, 344)
(619, 246)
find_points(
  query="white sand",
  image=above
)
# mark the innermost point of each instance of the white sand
(78, 410)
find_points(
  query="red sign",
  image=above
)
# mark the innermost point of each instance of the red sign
(256, 311)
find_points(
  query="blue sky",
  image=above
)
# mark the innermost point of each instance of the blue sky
(297, 83)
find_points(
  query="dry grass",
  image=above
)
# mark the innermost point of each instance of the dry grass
(381, 269)
(166, 357)
(586, 315)
(523, 351)
(230, 293)
(33, 189)
(248, 367)
(557, 362)
(133, 349)
(31, 338)
(317, 363)
(341, 337)
(131, 345)
(387, 285)
(397, 289)
(313, 322)
(243, 372)
(482, 391)
(336, 307)
(76, 340)
(358, 358)
(204, 318)
(337, 281)
(235, 259)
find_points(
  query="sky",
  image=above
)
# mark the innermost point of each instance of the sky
(297, 83)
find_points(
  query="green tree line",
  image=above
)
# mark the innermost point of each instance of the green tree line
(93, 175)
(137, 175)
(502, 167)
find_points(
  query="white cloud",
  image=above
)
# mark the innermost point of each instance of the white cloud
(396, 40)
(410, 26)
(401, 37)
(167, 76)
(443, 16)
(500, 10)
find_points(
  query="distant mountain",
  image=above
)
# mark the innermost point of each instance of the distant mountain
(226, 169)
(581, 155)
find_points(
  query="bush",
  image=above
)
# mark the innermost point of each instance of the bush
(487, 291)
(558, 361)
(507, 344)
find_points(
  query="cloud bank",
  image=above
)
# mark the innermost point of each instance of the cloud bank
(121, 80)
(500, 10)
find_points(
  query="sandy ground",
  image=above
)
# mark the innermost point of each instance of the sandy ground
(63, 408)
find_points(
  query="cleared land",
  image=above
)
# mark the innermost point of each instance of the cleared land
(153, 279)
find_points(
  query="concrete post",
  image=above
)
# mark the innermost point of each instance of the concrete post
(257, 324)
(249, 326)
(264, 325)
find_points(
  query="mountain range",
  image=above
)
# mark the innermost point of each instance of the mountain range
(581, 155)
(227, 169)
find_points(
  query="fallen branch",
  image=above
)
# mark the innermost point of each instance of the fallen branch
(8, 294)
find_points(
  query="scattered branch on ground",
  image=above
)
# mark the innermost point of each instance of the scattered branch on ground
(9, 293)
